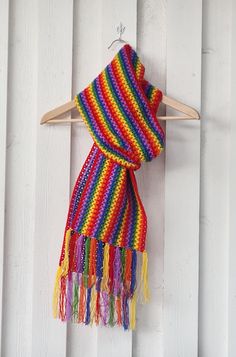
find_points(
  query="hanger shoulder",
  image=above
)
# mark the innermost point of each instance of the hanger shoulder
(62, 109)
(189, 113)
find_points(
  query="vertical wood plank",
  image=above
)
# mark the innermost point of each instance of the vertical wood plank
(115, 342)
(87, 64)
(55, 33)
(4, 25)
(182, 182)
(232, 198)
(151, 182)
(214, 227)
(38, 174)
(20, 174)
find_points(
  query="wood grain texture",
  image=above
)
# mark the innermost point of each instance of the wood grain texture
(20, 189)
(114, 342)
(150, 177)
(54, 49)
(232, 199)
(182, 177)
(54, 71)
(4, 29)
(215, 133)
(87, 64)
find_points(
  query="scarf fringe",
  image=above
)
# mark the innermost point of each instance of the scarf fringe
(96, 283)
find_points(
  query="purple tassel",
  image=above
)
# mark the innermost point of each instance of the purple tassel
(125, 308)
(80, 255)
(99, 264)
(87, 319)
(133, 272)
(117, 272)
(69, 296)
(105, 307)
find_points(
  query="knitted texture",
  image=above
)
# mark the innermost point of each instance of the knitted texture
(106, 226)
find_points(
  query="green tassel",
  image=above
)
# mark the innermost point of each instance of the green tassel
(75, 302)
(112, 309)
(86, 262)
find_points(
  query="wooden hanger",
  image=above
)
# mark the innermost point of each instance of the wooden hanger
(51, 117)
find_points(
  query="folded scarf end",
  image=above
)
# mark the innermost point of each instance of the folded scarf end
(102, 287)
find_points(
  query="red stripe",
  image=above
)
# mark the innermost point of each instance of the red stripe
(98, 198)
(116, 210)
(85, 190)
(112, 109)
(151, 142)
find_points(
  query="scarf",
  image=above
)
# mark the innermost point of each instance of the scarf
(103, 263)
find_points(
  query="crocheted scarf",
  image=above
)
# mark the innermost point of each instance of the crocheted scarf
(103, 263)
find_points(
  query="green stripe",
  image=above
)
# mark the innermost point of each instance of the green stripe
(137, 100)
(88, 121)
(104, 114)
(91, 194)
(124, 115)
(110, 200)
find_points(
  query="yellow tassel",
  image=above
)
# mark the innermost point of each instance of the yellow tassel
(133, 312)
(93, 305)
(56, 292)
(62, 270)
(104, 283)
(65, 263)
(144, 277)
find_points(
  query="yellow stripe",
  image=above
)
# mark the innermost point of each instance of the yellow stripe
(95, 198)
(102, 121)
(136, 106)
(120, 234)
(109, 154)
(129, 134)
(116, 195)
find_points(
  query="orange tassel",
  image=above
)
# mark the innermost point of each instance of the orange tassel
(118, 311)
(92, 262)
(62, 302)
(93, 305)
(97, 315)
(82, 304)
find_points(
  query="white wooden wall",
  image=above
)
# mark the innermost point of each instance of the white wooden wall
(49, 51)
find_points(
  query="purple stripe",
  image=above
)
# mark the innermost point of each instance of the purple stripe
(90, 116)
(151, 118)
(98, 134)
(128, 111)
(105, 107)
(80, 183)
(106, 200)
(89, 190)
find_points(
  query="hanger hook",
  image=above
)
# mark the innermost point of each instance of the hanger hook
(120, 30)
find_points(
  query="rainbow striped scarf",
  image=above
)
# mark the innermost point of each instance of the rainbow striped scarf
(98, 277)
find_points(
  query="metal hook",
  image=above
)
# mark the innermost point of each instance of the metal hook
(120, 30)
